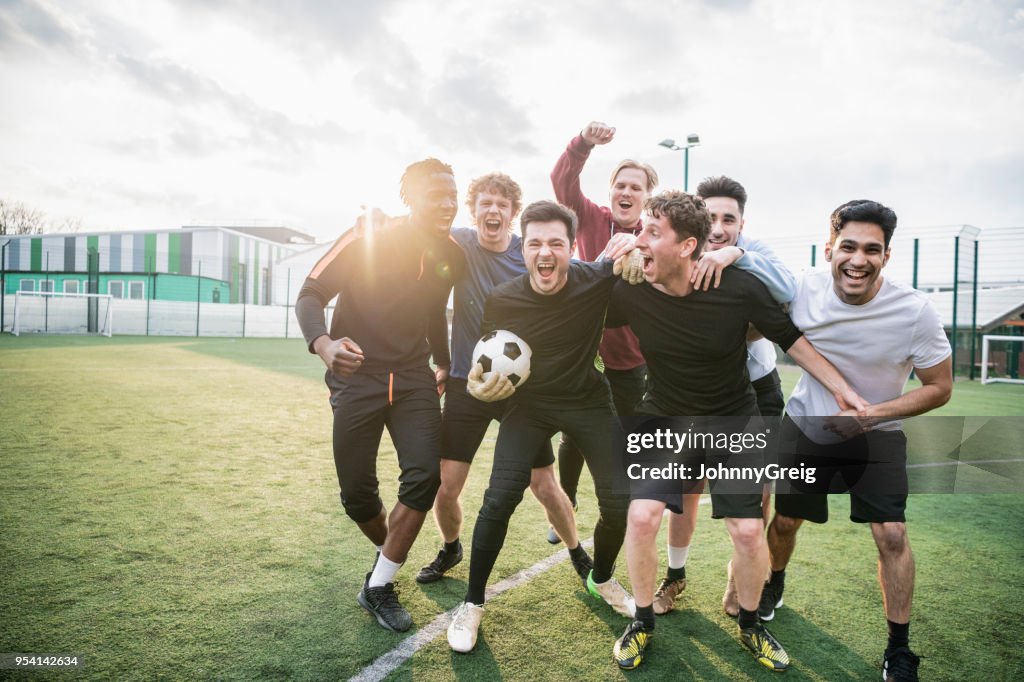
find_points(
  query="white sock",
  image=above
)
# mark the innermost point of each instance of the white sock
(383, 572)
(677, 556)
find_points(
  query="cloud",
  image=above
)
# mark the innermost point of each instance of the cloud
(345, 27)
(29, 24)
(462, 110)
(190, 93)
(664, 99)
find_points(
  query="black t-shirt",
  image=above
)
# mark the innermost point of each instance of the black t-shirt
(695, 345)
(563, 330)
(392, 286)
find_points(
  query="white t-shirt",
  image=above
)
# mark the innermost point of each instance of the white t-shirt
(760, 358)
(874, 345)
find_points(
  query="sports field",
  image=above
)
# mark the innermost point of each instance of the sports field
(169, 509)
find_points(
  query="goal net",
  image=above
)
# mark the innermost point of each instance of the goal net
(38, 312)
(987, 358)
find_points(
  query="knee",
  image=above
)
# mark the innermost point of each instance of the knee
(448, 493)
(500, 503)
(418, 487)
(890, 537)
(544, 485)
(747, 533)
(644, 520)
(785, 525)
(361, 507)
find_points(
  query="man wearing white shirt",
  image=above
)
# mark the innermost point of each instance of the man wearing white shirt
(875, 331)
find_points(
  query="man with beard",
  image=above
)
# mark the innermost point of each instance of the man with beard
(392, 285)
(494, 255)
(875, 331)
(558, 309)
(694, 342)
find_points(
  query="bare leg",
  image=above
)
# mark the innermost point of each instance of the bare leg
(895, 569)
(403, 526)
(556, 504)
(782, 540)
(749, 559)
(376, 529)
(641, 548)
(447, 507)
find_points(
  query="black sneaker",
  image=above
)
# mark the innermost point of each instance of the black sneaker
(771, 599)
(765, 647)
(900, 665)
(582, 565)
(436, 569)
(382, 602)
(630, 647)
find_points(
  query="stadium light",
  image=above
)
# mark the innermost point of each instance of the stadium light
(3, 283)
(692, 140)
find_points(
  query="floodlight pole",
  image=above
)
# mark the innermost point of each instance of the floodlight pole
(3, 284)
(692, 140)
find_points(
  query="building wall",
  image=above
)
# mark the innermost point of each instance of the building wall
(239, 268)
(161, 286)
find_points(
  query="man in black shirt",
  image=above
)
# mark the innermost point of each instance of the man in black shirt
(694, 342)
(392, 284)
(558, 309)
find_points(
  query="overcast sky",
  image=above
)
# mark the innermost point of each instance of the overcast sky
(160, 114)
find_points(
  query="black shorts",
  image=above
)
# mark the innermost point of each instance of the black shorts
(628, 388)
(730, 497)
(770, 401)
(464, 422)
(406, 403)
(871, 468)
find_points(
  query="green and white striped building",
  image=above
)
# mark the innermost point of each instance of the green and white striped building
(213, 264)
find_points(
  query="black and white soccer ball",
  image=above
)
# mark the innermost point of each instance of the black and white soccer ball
(504, 352)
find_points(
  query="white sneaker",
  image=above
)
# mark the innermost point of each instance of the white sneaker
(464, 626)
(613, 594)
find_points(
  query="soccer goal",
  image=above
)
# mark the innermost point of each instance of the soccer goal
(44, 312)
(985, 379)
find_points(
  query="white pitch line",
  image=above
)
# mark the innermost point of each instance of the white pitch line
(389, 662)
(966, 462)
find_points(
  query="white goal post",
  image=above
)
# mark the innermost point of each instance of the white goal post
(45, 312)
(984, 359)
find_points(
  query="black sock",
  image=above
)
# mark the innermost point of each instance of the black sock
(899, 635)
(747, 619)
(607, 543)
(778, 578)
(645, 614)
(676, 573)
(577, 552)
(453, 546)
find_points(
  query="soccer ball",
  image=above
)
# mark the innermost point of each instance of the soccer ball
(502, 351)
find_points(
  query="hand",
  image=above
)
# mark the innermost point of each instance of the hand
(848, 399)
(630, 266)
(620, 244)
(710, 265)
(441, 377)
(848, 424)
(497, 387)
(378, 218)
(343, 356)
(597, 132)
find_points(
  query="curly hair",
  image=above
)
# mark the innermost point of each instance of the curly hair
(417, 173)
(496, 183)
(863, 211)
(686, 213)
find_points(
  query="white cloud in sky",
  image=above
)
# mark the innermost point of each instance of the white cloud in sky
(157, 114)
